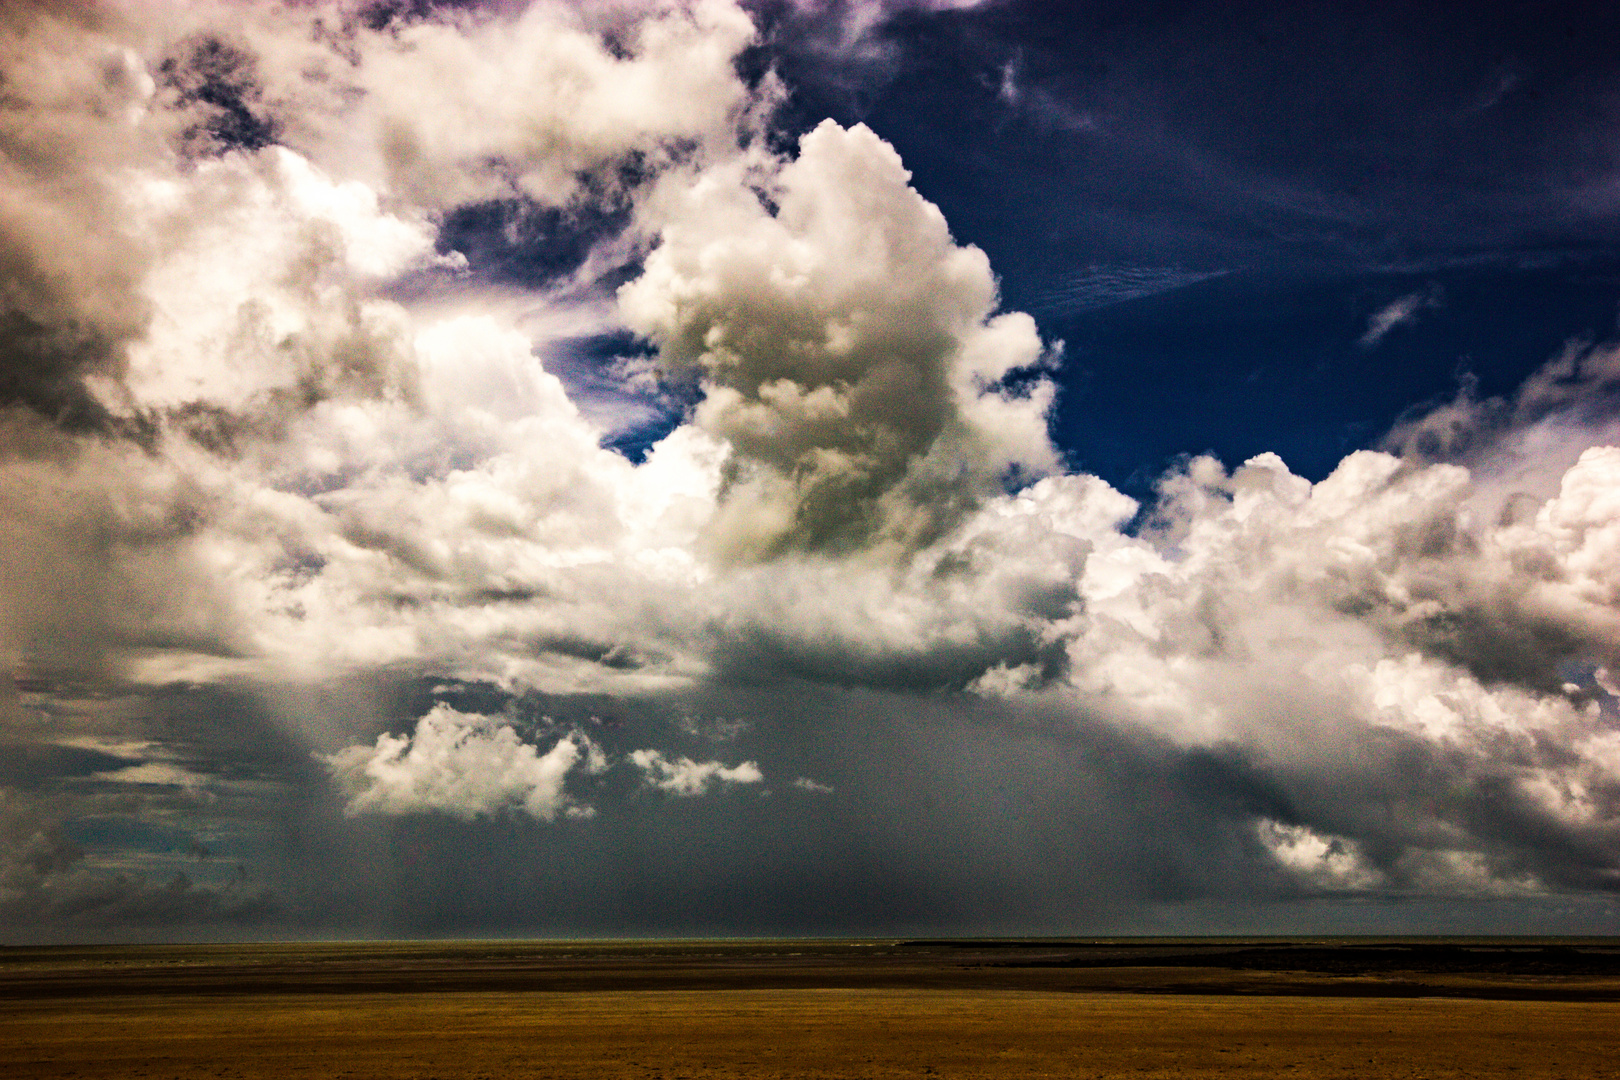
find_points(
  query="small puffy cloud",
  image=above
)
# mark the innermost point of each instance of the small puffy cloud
(461, 764)
(686, 777)
(814, 787)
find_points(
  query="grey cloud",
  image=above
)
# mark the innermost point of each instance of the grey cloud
(718, 730)
(1519, 447)
(849, 350)
(87, 903)
(938, 640)
(25, 765)
(69, 302)
(46, 880)
(34, 846)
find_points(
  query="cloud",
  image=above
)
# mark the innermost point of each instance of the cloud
(686, 777)
(161, 773)
(78, 120)
(1398, 312)
(1325, 862)
(263, 429)
(1530, 437)
(1301, 621)
(718, 729)
(461, 764)
(47, 880)
(550, 100)
(1103, 286)
(851, 40)
(849, 353)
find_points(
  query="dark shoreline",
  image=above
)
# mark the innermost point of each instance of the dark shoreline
(1542, 969)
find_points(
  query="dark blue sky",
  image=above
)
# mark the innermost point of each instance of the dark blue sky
(1207, 205)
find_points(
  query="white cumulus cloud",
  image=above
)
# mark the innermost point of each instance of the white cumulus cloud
(683, 776)
(461, 764)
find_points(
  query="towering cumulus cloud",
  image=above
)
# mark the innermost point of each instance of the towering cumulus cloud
(848, 352)
(303, 536)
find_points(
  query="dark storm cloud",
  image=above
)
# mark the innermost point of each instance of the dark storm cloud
(1434, 791)
(51, 884)
(26, 765)
(142, 808)
(43, 368)
(953, 817)
(58, 323)
(903, 842)
(761, 655)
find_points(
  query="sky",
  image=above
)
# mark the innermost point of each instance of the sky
(808, 467)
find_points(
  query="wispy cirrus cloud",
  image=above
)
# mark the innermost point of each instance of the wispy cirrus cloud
(1399, 312)
(1104, 286)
